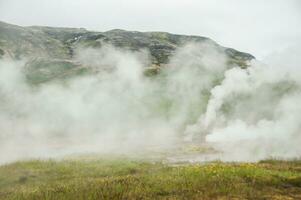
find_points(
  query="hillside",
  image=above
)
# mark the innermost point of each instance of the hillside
(51, 46)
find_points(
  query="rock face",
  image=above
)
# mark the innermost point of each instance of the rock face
(52, 46)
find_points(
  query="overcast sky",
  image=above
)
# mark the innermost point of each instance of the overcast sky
(260, 27)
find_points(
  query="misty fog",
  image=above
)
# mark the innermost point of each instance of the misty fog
(246, 114)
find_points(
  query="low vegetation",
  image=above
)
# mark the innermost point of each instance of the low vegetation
(121, 178)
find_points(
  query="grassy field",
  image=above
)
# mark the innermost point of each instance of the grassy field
(121, 178)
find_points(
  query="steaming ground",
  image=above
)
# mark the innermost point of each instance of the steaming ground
(243, 114)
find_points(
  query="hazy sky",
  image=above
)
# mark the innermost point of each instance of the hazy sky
(260, 27)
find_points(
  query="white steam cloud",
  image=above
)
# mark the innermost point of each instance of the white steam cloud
(247, 114)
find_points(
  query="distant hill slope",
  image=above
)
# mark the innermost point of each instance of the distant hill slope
(51, 44)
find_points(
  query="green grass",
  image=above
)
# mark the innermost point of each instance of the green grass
(121, 178)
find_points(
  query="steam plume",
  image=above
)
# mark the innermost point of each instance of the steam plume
(247, 114)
